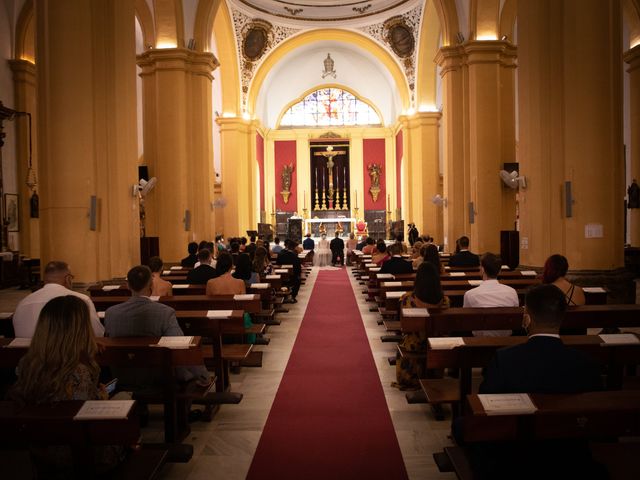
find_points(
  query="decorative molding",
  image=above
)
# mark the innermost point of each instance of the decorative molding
(276, 34)
(361, 10)
(330, 134)
(382, 33)
(294, 12)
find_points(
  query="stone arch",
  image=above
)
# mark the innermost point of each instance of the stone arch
(508, 19)
(448, 15)
(484, 19)
(344, 36)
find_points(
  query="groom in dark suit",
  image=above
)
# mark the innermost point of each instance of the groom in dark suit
(337, 250)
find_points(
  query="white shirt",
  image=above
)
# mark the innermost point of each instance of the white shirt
(212, 263)
(491, 293)
(28, 310)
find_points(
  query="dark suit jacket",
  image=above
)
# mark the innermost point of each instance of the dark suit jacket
(337, 244)
(308, 244)
(287, 257)
(464, 259)
(396, 266)
(360, 246)
(542, 365)
(189, 261)
(201, 275)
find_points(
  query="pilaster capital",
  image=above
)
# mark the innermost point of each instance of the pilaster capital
(632, 57)
(23, 71)
(491, 51)
(449, 59)
(162, 59)
(420, 119)
(235, 124)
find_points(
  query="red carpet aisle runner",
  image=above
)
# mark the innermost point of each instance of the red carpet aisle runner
(329, 419)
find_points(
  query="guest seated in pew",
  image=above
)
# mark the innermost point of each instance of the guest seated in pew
(251, 246)
(416, 256)
(159, 287)
(191, 259)
(225, 283)
(401, 242)
(288, 256)
(463, 257)
(491, 293)
(369, 247)
(142, 317)
(261, 262)
(542, 365)
(276, 247)
(396, 264)
(380, 254)
(211, 262)
(361, 244)
(58, 282)
(203, 272)
(352, 244)
(427, 293)
(235, 249)
(431, 255)
(555, 270)
(244, 270)
(60, 365)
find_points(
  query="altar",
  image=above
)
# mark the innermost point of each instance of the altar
(313, 225)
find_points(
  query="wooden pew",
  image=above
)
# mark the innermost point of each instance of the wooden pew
(191, 302)
(54, 424)
(477, 352)
(140, 352)
(590, 416)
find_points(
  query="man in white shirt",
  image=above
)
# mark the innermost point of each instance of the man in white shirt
(491, 293)
(58, 281)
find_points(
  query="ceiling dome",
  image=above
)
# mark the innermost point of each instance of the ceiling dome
(325, 11)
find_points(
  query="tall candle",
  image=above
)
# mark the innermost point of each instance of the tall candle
(356, 198)
(304, 199)
(389, 202)
(273, 204)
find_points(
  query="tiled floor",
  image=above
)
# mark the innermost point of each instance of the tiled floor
(223, 449)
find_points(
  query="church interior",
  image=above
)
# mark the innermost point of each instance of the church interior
(132, 128)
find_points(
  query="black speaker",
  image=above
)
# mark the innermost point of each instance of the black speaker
(510, 248)
(143, 172)
(568, 200)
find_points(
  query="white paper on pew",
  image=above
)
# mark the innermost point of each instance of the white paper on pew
(391, 284)
(504, 267)
(529, 273)
(175, 342)
(244, 296)
(594, 290)
(474, 283)
(176, 268)
(259, 286)
(619, 338)
(370, 265)
(507, 403)
(19, 342)
(104, 409)
(447, 268)
(457, 274)
(358, 252)
(219, 313)
(394, 294)
(272, 277)
(375, 269)
(166, 272)
(281, 270)
(445, 343)
(181, 285)
(5, 315)
(302, 255)
(154, 298)
(286, 266)
(383, 276)
(101, 314)
(108, 288)
(415, 312)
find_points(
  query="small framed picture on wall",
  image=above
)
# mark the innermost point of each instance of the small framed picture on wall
(11, 211)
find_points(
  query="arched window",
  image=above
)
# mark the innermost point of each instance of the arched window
(330, 107)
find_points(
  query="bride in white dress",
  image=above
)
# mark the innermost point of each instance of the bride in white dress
(322, 254)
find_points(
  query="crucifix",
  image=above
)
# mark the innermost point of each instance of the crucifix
(329, 155)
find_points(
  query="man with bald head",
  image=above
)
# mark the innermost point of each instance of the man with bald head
(58, 281)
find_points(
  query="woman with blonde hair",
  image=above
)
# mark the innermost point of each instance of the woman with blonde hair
(60, 365)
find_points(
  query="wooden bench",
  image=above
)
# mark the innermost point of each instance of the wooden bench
(54, 424)
(191, 302)
(141, 352)
(590, 416)
(478, 352)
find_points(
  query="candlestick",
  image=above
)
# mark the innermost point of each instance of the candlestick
(356, 198)
(273, 204)
(304, 199)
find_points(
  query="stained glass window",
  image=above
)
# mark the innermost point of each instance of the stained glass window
(330, 107)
